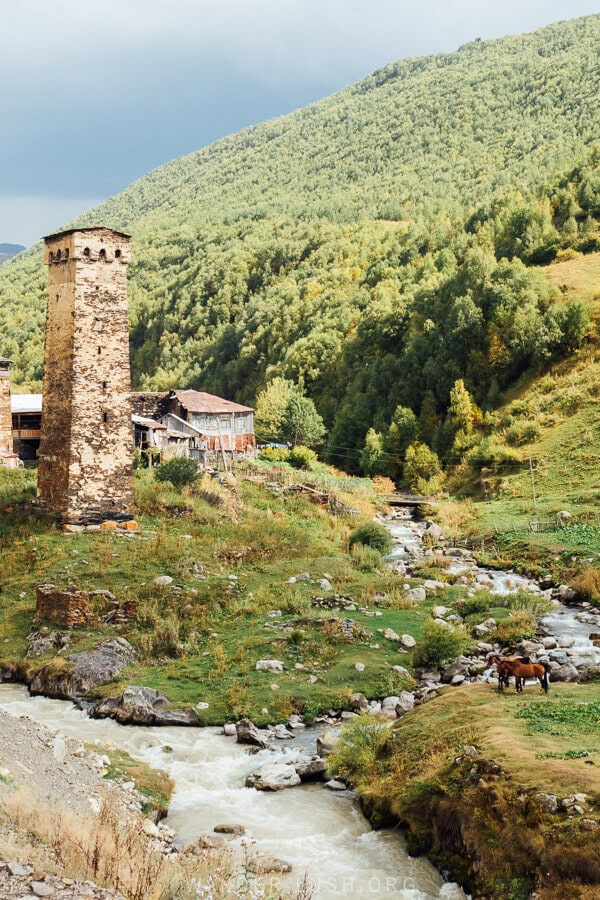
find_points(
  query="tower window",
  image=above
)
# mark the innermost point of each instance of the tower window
(58, 254)
(105, 384)
(86, 251)
(103, 253)
(67, 253)
(99, 350)
(117, 254)
(105, 416)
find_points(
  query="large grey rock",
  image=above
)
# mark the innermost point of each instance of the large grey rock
(269, 865)
(417, 594)
(84, 671)
(143, 706)
(406, 702)
(248, 733)
(358, 702)
(310, 768)
(567, 672)
(270, 665)
(433, 533)
(402, 672)
(326, 743)
(408, 641)
(273, 777)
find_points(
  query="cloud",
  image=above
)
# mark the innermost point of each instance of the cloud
(95, 95)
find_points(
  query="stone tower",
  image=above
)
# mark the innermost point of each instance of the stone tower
(6, 435)
(86, 444)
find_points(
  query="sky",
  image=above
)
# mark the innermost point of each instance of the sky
(94, 95)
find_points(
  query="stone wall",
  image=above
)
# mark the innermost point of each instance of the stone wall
(75, 609)
(6, 441)
(86, 448)
(67, 609)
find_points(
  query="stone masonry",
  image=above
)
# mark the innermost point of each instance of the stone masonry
(71, 608)
(6, 438)
(86, 456)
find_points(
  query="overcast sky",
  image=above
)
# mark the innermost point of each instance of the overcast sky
(94, 95)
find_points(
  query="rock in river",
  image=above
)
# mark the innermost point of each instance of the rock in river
(143, 706)
(248, 733)
(83, 671)
(273, 777)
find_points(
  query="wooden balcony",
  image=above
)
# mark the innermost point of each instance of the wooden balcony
(26, 434)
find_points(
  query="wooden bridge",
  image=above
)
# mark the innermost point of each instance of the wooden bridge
(399, 499)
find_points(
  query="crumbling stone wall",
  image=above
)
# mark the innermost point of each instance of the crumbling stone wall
(86, 447)
(67, 609)
(74, 609)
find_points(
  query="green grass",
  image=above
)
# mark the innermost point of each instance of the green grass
(199, 639)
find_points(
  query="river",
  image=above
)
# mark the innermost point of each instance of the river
(320, 832)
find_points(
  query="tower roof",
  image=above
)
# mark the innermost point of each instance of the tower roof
(93, 228)
(4, 361)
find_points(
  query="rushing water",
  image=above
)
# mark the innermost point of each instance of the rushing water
(566, 622)
(321, 832)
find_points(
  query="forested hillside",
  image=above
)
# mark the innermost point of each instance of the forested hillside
(379, 248)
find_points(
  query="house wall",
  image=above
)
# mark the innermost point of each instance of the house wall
(86, 448)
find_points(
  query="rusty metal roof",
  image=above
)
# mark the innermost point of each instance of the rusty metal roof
(201, 402)
(148, 423)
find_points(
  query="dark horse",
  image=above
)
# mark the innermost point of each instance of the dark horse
(521, 669)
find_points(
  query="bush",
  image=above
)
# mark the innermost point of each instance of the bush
(179, 471)
(359, 749)
(302, 457)
(274, 454)
(587, 585)
(439, 645)
(372, 534)
(365, 558)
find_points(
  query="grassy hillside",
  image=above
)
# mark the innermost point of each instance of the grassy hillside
(359, 246)
(553, 418)
(467, 809)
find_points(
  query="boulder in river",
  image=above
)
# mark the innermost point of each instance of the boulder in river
(269, 865)
(310, 768)
(143, 706)
(229, 829)
(273, 777)
(326, 743)
(83, 671)
(248, 733)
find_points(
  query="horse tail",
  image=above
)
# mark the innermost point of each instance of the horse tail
(545, 682)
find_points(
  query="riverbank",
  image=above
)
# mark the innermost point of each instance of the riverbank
(321, 833)
(502, 791)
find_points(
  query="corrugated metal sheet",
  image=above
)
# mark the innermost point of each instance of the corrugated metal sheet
(201, 402)
(26, 403)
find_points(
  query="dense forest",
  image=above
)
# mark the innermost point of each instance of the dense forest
(379, 249)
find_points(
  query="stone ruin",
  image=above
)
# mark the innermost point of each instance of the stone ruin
(72, 608)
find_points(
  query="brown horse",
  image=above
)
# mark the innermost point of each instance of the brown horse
(521, 669)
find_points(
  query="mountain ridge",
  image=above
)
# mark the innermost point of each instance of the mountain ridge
(270, 252)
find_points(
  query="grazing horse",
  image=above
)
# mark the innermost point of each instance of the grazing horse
(522, 669)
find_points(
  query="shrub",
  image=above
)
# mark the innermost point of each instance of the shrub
(302, 457)
(439, 645)
(274, 454)
(523, 433)
(179, 471)
(372, 534)
(520, 625)
(587, 585)
(365, 558)
(359, 748)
